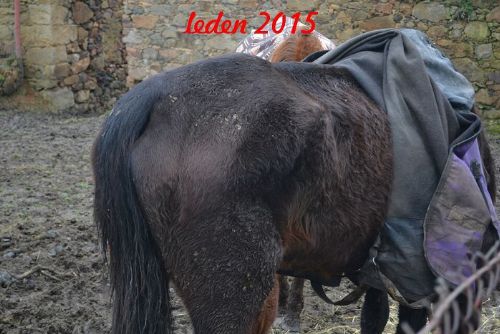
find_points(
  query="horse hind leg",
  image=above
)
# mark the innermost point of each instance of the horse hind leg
(291, 321)
(224, 264)
(284, 292)
(291, 303)
(269, 310)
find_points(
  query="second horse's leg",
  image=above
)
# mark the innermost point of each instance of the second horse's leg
(291, 320)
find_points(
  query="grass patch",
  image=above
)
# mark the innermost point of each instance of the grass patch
(493, 128)
(465, 10)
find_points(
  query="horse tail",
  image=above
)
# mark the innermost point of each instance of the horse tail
(138, 277)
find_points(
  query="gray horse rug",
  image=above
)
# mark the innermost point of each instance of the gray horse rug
(439, 205)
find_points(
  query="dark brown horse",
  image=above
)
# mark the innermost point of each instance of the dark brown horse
(219, 174)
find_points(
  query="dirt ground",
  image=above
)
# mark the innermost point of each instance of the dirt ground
(52, 276)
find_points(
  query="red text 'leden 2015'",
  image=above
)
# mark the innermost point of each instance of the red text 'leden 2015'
(220, 25)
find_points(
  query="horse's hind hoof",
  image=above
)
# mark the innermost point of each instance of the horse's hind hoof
(290, 324)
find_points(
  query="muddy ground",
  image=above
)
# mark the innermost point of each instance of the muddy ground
(52, 276)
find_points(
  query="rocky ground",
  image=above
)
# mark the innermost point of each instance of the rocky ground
(52, 276)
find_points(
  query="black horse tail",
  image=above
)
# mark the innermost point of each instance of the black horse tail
(138, 277)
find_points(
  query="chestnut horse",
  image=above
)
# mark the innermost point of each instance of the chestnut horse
(291, 299)
(216, 175)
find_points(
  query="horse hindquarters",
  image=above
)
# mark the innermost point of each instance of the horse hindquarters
(221, 249)
(138, 277)
(224, 263)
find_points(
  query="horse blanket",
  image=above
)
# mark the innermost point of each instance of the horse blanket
(263, 45)
(439, 206)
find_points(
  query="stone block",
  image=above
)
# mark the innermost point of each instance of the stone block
(161, 10)
(99, 63)
(378, 22)
(133, 37)
(46, 55)
(44, 76)
(82, 96)
(39, 14)
(136, 74)
(81, 65)
(71, 80)
(150, 53)
(133, 52)
(60, 15)
(484, 51)
(42, 84)
(82, 34)
(144, 21)
(470, 69)
(6, 33)
(169, 33)
(168, 54)
(495, 77)
(422, 26)
(495, 64)
(405, 8)
(437, 31)
(459, 50)
(292, 4)
(41, 72)
(91, 84)
(81, 12)
(61, 99)
(111, 43)
(66, 33)
(494, 15)
(384, 8)
(483, 96)
(220, 42)
(345, 34)
(180, 20)
(48, 35)
(62, 70)
(430, 11)
(73, 47)
(477, 31)
(6, 16)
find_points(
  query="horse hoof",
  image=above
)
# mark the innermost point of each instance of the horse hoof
(278, 320)
(291, 325)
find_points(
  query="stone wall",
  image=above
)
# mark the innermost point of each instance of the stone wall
(466, 30)
(72, 51)
(79, 54)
